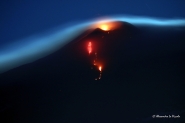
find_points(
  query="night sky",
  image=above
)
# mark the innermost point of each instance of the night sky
(20, 19)
(144, 73)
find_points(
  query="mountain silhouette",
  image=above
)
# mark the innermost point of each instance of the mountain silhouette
(143, 73)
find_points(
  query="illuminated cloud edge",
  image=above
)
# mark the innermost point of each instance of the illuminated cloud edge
(36, 47)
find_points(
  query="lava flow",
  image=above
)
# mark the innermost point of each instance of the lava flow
(93, 55)
(96, 43)
(89, 47)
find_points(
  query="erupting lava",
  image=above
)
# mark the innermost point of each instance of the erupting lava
(95, 44)
(96, 62)
(106, 26)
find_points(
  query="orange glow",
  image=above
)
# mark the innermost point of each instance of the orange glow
(107, 26)
(89, 47)
(104, 27)
(100, 68)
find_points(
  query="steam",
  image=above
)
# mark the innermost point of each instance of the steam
(33, 48)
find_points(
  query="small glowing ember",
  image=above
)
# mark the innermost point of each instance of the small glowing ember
(100, 68)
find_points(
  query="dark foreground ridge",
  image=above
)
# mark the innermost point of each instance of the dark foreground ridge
(142, 74)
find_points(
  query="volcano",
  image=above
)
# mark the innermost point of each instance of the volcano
(127, 74)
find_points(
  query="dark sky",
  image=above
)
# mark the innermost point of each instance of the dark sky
(20, 18)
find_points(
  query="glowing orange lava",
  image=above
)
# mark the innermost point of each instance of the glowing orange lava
(93, 46)
(96, 62)
(89, 47)
(106, 26)
(100, 68)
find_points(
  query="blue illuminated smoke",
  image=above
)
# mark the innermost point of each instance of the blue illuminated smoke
(36, 47)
